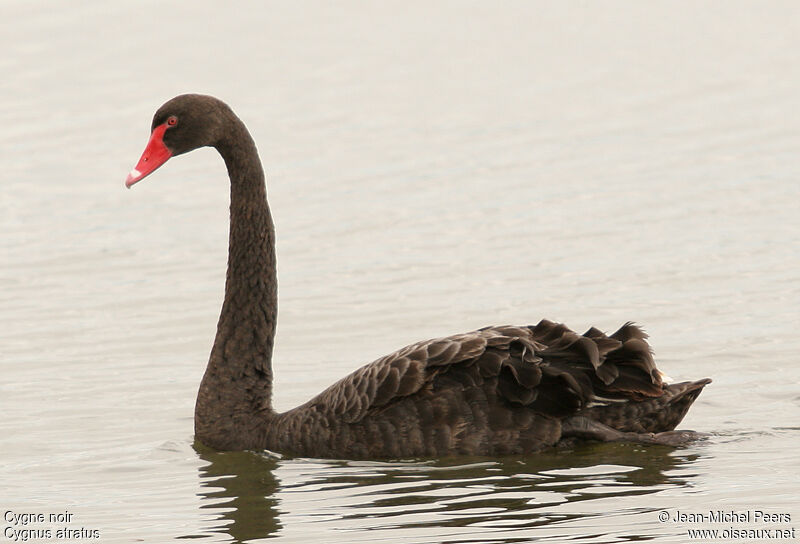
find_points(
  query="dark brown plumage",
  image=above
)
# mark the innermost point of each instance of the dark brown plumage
(495, 391)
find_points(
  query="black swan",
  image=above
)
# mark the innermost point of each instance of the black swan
(495, 391)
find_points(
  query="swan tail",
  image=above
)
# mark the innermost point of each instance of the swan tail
(653, 415)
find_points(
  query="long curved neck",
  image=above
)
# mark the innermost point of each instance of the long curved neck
(236, 391)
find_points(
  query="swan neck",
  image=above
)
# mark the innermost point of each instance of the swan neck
(236, 392)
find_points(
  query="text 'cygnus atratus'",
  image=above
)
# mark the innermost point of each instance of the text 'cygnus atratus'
(495, 391)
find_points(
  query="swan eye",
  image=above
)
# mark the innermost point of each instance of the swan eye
(172, 121)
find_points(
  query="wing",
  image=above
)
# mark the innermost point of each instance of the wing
(546, 367)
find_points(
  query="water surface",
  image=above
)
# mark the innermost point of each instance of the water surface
(431, 169)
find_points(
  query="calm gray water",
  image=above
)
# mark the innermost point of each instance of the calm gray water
(431, 169)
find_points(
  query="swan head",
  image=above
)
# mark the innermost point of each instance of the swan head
(182, 124)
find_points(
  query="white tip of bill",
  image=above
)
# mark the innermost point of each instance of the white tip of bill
(132, 178)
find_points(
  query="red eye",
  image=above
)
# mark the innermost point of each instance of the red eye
(172, 121)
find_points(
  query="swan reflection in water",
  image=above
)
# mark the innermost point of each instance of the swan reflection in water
(554, 493)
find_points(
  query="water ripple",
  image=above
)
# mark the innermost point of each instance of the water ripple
(547, 495)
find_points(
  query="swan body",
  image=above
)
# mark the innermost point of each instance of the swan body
(495, 391)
